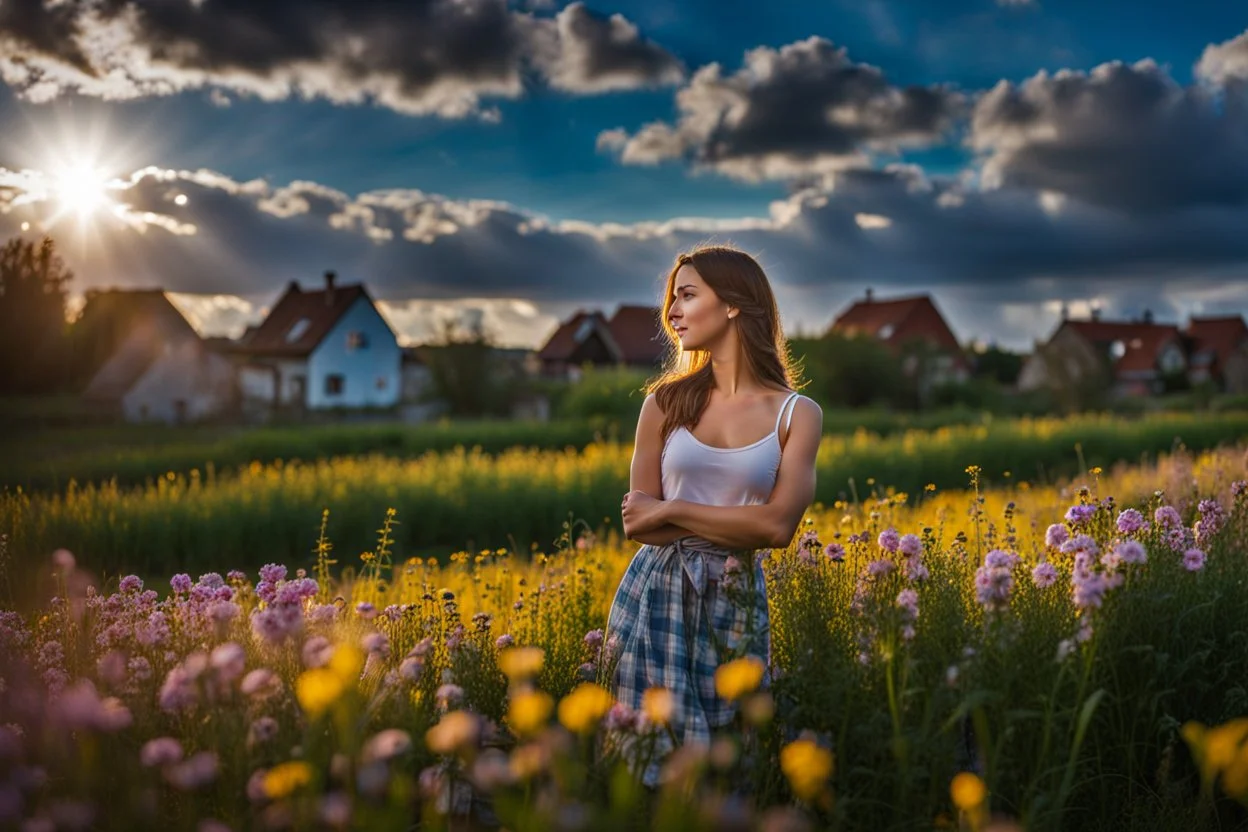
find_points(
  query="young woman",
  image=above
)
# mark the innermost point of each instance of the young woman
(723, 465)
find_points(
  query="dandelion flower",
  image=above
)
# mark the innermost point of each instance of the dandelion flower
(739, 677)
(519, 663)
(317, 689)
(286, 778)
(529, 711)
(582, 709)
(807, 766)
(967, 790)
(657, 703)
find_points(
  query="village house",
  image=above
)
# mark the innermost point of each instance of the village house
(632, 337)
(1219, 352)
(911, 327)
(1140, 358)
(320, 349)
(148, 363)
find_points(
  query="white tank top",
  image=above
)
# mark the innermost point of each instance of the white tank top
(700, 473)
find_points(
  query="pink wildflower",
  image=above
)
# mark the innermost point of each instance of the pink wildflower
(160, 752)
(1194, 560)
(889, 540)
(1044, 575)
(1056, 535)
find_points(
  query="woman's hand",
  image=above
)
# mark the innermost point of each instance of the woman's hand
(642, 513)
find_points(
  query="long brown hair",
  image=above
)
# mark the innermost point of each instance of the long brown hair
(683, 390)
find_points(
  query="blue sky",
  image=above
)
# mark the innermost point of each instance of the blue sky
(560, 158)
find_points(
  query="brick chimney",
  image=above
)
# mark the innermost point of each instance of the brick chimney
(1148, 316)
(329, 288)
(870, 295)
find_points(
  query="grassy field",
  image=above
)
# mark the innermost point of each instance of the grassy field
(1104, 693)
(519, 498)
(47, 459)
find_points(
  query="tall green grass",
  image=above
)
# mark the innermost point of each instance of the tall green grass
(520, 497)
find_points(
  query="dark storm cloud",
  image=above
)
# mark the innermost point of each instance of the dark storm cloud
(803, 108)
(1125, 137)
(426, 56)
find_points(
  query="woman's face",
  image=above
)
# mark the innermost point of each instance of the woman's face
(698, 315)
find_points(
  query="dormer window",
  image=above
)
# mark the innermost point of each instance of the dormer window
(586, 327)
(296, 332)
(357, 340)
(1118, 349)
(886, 332)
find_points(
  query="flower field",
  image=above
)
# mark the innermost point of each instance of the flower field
(518, 498)
(992, 657)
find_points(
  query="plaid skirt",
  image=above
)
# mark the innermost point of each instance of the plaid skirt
(675, 618)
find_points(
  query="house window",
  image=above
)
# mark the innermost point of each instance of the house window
(334, 384)
(296, 331)
(381, 382)
(357, 340)
(886, 332)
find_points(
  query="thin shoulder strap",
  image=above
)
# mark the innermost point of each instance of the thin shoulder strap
(781, 413)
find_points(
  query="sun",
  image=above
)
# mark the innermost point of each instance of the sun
(80, 188)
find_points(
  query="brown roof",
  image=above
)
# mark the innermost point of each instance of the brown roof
(872, 316)
(131, 329)
(1142, 342)
(1214, 339)
(563, 342)
(272, 336)
(639, 334)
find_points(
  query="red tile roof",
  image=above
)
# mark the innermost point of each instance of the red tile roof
(321, 311)
(1216, 337)
(639, 334)
(1142, 342)
(871, 317)
(563, 343)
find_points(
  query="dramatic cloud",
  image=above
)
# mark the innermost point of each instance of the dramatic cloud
(594, 54)
(1124, 137)
(426, 56)
(1225, 62)
(803, 109)
(999, 261)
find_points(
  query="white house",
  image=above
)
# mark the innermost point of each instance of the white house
(155, 367)
(323, 348)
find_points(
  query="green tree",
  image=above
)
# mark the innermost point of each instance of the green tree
(464, 373)
(849, 371)
(33, 329)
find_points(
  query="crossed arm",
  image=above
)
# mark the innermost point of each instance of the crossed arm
(771, 524)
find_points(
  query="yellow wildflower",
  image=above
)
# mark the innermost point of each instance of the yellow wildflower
(347, 662)
(967, 790)
(808, 767)
(521, 662)
(657, 704)
(581, 710)
(739, 677)
(529, 711)
(317, 689)
(281, 780)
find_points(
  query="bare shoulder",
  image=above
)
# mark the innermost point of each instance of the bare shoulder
(650, 421)
(807, 417)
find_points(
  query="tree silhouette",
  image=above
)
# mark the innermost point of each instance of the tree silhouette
(33, 329)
